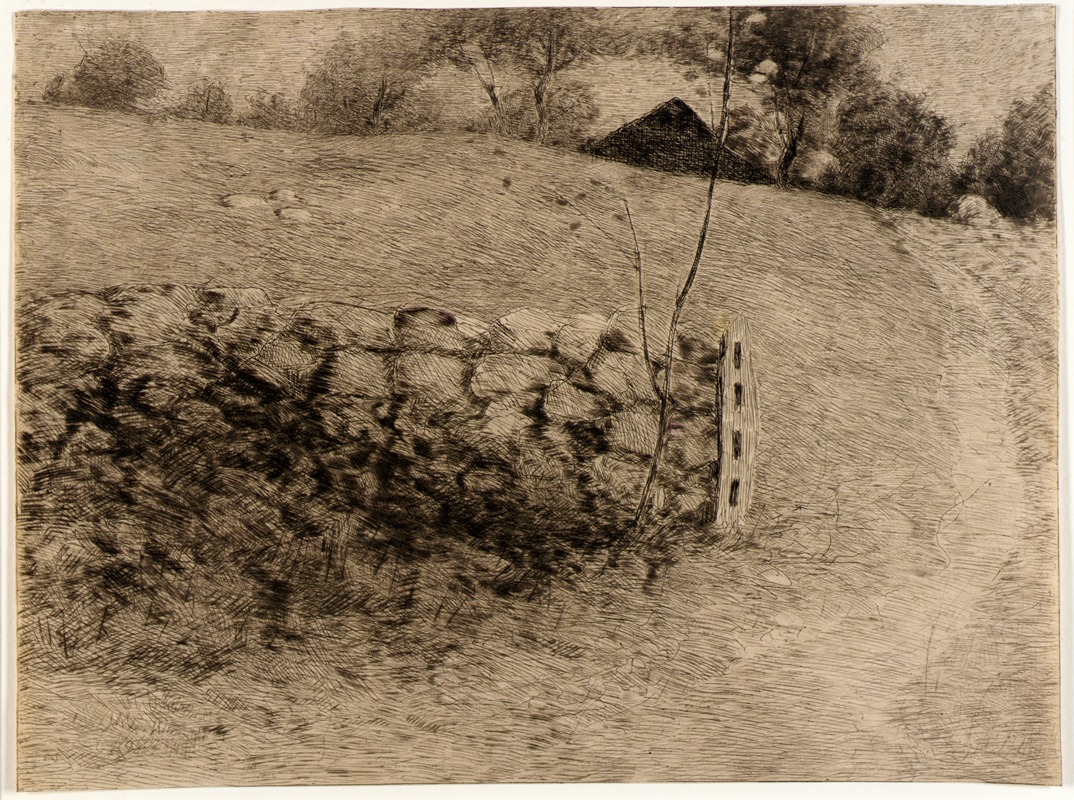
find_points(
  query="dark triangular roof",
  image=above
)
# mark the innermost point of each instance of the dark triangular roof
(674, 138)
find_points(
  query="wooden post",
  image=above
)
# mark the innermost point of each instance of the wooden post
(738, 422)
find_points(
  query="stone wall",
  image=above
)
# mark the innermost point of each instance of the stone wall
(424, 411)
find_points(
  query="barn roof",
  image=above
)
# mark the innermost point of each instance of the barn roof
(674, 138)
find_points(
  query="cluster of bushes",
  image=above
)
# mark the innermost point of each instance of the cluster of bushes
(201, 468)
(893, 151)
(374, 84)
(880, 144)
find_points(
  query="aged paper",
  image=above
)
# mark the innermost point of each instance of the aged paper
(525, 395)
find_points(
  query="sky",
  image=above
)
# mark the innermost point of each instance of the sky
(971, 61)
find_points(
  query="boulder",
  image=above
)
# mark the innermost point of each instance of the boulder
(691, 442)
(60, 338)
(544, 472)
(42, 420)
(502, 428)
(246, 331)
(285, 356)
(357, 372)
(564, 401)
(146, 315)
(352, 418)
(621, 480)
(432, 379)
(500, 376)
(219, 306)
(623, 334)
(356, 325)
(972, 209)
(527, 330)
(697, 346)
(228, 298)
(429, 330)
(633, 432)
(622, 376)
(475, 331)
(152, 379)
(580, 338)
(693, 387)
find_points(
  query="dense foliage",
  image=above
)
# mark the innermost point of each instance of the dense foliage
(1014, 167)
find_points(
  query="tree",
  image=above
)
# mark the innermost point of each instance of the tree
(892, 151)
(569, 108)
(542, 43)
(364, 86)
(1014, 167)
(118, 75)
(476, 41)
(799, 57)
(206, 100)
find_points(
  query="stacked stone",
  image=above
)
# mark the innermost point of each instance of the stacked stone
(562, 409)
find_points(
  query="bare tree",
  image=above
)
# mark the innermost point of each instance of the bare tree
(544, 42)
(476, 41)
(664, 393)
(206, 100)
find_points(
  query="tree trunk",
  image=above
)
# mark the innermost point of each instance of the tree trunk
(377, 112)
(789, 154)
(499, 118)
(540, 102)
(544, 84)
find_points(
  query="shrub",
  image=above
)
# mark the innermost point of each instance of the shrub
(892, 151)
(118, 75)
(1014, 167)
(269, 110)
(206, 100)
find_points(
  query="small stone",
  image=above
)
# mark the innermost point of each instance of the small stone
(283, 196)
(776, 577)
(527, 330)
(633, 432)
(496, 376)
(292, 214)
(243, 200)
(357, 372)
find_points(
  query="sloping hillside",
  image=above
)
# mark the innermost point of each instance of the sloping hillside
(850, 329)
(888, 493)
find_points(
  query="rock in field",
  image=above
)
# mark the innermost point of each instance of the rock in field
(500, 376)
(527, 330)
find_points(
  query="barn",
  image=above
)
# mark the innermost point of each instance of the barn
(674, 138)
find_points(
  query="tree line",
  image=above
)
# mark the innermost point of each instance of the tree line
(815, 110)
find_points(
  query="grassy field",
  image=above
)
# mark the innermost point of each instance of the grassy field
(899, 556)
